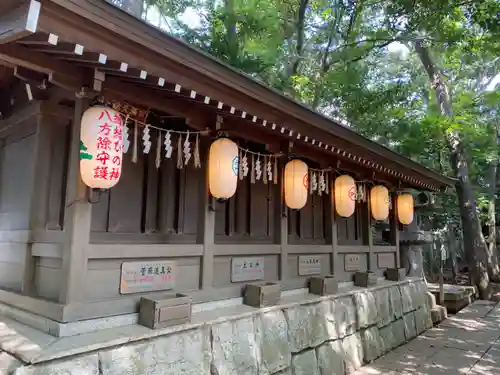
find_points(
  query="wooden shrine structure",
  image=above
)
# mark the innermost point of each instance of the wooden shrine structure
(64, 250)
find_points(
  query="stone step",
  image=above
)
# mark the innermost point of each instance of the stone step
(438, 314)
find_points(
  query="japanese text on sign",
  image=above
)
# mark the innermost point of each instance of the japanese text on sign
(247, 269)
(109, 146)
(352, 262)
(309, 265)
(139, 277)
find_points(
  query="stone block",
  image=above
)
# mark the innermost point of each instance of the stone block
(184, 352)
(406, 298)
(423, 320)
(398, 329)
(430, 300)
(310, 325)
(373, 345)
(410, 328)
(388, 338)
(8, 363)
(396, 302)
(234, 348)
(383, 307)
(305, 363)
(345, 316)
(366, 309)
(331, 358)
(353, 352)
(88, 365)
(418, 291)
(438, 314)
(271, 331)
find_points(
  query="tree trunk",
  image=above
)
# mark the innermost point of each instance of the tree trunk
(230, 21)
(474, 243)
(493, 268)
(300, 25)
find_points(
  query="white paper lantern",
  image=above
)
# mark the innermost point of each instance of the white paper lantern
(296, 183)
(223, 165)
(101, 147)
(345, 195)
(379, 202)
(405, 208)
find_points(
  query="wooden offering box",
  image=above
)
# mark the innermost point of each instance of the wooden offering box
(267, 294)
(166, 311)
(365, 279)
(395, 274)
(323, 286)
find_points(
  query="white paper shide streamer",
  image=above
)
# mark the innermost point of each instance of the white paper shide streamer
(258, 169)
(244, 165)
(269, 168)
(187, 150)
(158, 151)
(314, 181)
(168, 145)
(146, 138)
(321, 183)
(126, 142)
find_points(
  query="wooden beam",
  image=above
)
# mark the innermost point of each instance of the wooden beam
(111, 67)
(38, 39)
(61, 48)
(114, 88)
(28, 75)
(251, 132)
(58, 71)
(20, 21)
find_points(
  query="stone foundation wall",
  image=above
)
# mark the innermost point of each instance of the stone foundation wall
(328, 336)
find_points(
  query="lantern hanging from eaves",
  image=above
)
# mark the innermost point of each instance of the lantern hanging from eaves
(379, 202)
(223, 166)
(405, 208)
(345, 195)
(296, 184)
(101, 147)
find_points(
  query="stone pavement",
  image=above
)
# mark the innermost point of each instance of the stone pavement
(466, 343)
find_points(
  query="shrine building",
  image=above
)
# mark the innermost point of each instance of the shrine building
(148, 188)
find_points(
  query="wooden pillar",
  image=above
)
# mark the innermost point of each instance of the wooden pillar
(39, 194)
(207, 233)
(282, 226)
(49, 118)
(371, 254)
(395, 229)
(77, 218)
(333, 228)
